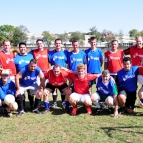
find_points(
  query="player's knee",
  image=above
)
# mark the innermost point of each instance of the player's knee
(109, 101)
(87, 102)
(0, 102)
(95, 97)
(121, 97)
(14, 106)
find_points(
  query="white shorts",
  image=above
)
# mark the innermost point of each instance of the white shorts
(80, 97)
(33, 88)
(12, 78)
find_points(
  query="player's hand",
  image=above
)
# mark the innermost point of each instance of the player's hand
(46, 92)
(116, 114)
(17, 92)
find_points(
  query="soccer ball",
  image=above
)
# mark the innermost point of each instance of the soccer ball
(9, 99)
(140, 79)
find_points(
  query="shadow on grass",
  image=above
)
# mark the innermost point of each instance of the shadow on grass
(110, 131)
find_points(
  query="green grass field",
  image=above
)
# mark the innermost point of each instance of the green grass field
(59, 127)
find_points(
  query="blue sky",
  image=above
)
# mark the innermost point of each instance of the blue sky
(59, 16)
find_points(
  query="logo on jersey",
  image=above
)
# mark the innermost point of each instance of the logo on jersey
(31, 78)
(105, 91)
(41, 56)
(128, 76)
(93, 58)
(74, 60)
(22, 61)
(137, 55)
(58, 57)
(8, 60)
(114, 58)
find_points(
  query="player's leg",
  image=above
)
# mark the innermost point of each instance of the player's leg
(110, 102)
(140, 95)
(55, 95)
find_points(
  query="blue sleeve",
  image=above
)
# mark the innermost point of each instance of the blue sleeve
(12, 88)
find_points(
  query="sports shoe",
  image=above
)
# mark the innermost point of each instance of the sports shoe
(20, 113)
(98, 110)
(121, 110)
(54, 105)
(36, 111)
(89, 111)
(74, 111)
(46, 111)
(63, 105)
(140, 104)
(111, 109)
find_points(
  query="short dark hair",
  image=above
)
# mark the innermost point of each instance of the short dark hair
(114, 41)
(74, 41)
(58, 39)
(33, 61)
(56, 66)
(22, 43)
(92, 38)
(125, 59)
(39, 40)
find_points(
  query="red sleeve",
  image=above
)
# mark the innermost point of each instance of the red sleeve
(47, 74)
(141, 70)
(91, 76)
(127, 51)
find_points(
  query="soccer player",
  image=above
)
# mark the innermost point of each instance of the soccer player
(113, 59)
(27, 79)
(76, 56)
(21, 60)
(6, 60)
(57, 79)
(58, 56)
(136, 51)
(106, 92)
(81, 88)
(7, 86)
(127, 83)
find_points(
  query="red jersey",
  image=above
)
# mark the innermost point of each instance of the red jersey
(56, 80)
(141, 70)
(114, 60)
(7, 62)
(81, 86)
(136, 55)
(42, 59)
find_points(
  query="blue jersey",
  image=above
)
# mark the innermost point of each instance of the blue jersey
(58, 57)
(22, 60)
(128, 79)
(28, 77)
(94, 58)
(76, 58)
(8, 88)
(106, 89)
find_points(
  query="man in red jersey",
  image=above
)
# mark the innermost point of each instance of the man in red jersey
(81, 87)
(57, 79)
(6, 60)
(136, 51)
(113, 59)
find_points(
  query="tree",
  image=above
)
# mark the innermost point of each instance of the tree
(6, 33)
(94, 32)
(32, 40)
(133, 33)
(76, 36)
(47, 37)
(64, 37)
(20, 35)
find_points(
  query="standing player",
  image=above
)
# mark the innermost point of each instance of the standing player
(6, 60)
(58, 56)
(136, 51)
(114, 59)
(127, 83)
(106, 92)
(7, 87)
(27, 79)
(21, 60)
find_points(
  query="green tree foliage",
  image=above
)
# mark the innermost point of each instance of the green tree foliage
(94, 32)
(6, 33)
(20, 34)
(47, 37)
(76, 36)
(64, 37)
(133, 33)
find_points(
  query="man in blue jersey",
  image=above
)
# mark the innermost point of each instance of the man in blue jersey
(106, 92)
(127, 84)
(7, 86)
(94, 57)
(76, 56)
(21, 60)
(58, 56)
(27, 79)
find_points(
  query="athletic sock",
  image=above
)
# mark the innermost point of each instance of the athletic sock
(47, 106)
(31, 100)
(63, 96)
(37, 103)
(19, 100)
(67, 104)
(55, 98)
(97, 103)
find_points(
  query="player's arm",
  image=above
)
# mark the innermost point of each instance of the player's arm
(105, 63)
(115, 93)
(102, 60)
(127, 51)
(17, 78)
(42, 80)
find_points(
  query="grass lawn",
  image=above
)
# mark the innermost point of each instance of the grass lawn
(57, 126)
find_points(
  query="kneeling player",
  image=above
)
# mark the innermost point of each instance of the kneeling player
(7, 87)
(106, 92)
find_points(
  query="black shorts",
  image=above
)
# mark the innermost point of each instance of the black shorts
(115, 77)
(52, 87)
(130, 98)
(92, 81)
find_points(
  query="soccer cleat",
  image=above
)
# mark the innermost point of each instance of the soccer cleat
(46, 111)
(121, 110)
(20, 113)
(63, 105)
(54, 105)
(74, 110)
(98, 110)
(111, 109)
(88, 109)
(36, 111)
